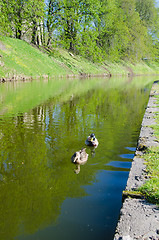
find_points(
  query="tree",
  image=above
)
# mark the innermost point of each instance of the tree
(35, 16)
(19, 16)
(137, 37)
(70, 15)
(52, 18)
(112, 29)
(148, 12)
(6, 13)
(71, 20)
(95, 29)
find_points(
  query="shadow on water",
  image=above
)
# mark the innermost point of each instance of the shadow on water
(41, 125)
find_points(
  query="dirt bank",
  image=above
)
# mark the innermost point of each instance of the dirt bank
(138, 218)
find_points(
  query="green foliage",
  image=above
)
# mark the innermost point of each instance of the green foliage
(103, 29)
(5, 15)
(148, 13)
(96, 29)
(20, 15)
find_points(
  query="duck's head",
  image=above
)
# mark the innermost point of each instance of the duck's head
(92, 136)
(76, 157)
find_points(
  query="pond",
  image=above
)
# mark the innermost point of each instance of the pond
(43, 195)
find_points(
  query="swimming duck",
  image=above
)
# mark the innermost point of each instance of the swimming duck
(80, 157)
(91, 140)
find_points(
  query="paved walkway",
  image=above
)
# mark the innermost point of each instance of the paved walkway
(138, 218)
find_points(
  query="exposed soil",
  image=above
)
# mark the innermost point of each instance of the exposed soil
(138, 218)
(2, 46)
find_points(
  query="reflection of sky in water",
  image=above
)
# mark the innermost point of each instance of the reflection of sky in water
(128, 156)
(99, 211)
(120, 164)
(131, 148)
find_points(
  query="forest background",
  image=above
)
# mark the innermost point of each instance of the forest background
(94, 29)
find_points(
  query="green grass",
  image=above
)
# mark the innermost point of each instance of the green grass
(145, 67)
(151, 188)
(75, 63)
(19, 59)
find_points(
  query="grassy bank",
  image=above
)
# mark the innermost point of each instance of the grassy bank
(21, 60)
(151, 188)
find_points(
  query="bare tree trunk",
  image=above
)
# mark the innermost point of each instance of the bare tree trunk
(48, 23)
(38, 35)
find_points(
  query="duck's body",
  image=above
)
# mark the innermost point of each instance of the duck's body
(80, 157)
(92, 141)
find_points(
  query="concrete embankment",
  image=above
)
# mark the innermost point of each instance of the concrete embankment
(138, 218)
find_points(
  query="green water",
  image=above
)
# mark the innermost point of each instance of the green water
(42, 123)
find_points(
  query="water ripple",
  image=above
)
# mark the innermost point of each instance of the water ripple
(128, 156)
(119, 164)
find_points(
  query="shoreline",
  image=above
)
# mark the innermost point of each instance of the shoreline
(44, 77)
(139, 219)
(22, 78)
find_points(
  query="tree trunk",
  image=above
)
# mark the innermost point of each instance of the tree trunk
(18, 33)
(34, 31)
(19, 25)
(39, 35)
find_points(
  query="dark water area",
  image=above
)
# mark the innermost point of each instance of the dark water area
(42, 194)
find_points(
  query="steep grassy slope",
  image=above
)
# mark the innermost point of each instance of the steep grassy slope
(18, 60)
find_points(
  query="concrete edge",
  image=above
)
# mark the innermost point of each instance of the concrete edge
(138, 218)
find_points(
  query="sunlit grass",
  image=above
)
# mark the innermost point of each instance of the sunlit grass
(145, 67)
(151, 188)
(21, 59)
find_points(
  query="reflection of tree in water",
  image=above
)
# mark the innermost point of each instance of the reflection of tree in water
(36, 148)
(32, 189)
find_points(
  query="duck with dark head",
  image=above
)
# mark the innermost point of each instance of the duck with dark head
(92, 140)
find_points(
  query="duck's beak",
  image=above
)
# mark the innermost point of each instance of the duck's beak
(91, 139)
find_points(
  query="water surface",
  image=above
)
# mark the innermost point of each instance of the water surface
(44, 195)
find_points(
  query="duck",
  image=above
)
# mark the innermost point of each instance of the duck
(80, 157)
(92, 140)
